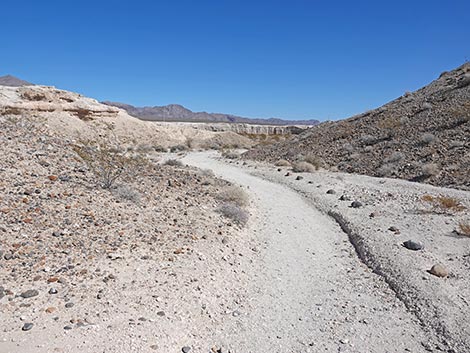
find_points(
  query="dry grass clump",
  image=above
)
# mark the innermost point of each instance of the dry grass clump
(233, 194)
(127, 193)
(178, 148)
(303, 167)
(429, 170)
(230, 155)
(173, 163)
(444, 203)
(464, 229)
(282, 163)
(314, 160)
(233, 212)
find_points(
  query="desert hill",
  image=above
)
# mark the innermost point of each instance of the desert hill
(421, 136)
(13, 81)
(176, 112)
(73, 115)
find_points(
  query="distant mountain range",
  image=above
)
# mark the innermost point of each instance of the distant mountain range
(13, 81)
(176, 112)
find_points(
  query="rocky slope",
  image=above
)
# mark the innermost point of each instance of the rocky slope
(89, 269)
(421, 136)
(176, 112)
(75, 116)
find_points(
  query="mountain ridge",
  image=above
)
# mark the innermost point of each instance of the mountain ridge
(177, 112)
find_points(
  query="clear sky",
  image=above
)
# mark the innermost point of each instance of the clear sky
(292, 59)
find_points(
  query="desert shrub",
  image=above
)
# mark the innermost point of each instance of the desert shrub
(368, 140)
(125, 192)
(314, 160)
(178, 148)
(394, 157)
(230, 155)
(282, 163)
(427, 139)
(464, 229)
(233, 194)
(427, 106)
(173, 163)
(348, 147)
(444, 203)
(303, 167)
(430, 169)
(233, 212)
(142, 148)
(208, 173)
(107, 163)
(385, 170)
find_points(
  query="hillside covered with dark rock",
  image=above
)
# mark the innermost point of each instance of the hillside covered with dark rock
(421, 136)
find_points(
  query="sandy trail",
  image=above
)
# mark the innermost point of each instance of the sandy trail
(308, 291)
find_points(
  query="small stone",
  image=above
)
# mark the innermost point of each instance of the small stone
(299, 177)
(185, 349)
(225, 240)
(345, 198)
(29, 293)
(52, 177)
(394, 229)
(373, 215)
(154, 347)
(27, 326)
(69, 305)
(287, 174)
(68, 327)
(50, 310)
(413, 245)
(331, 192)
(344, 341)
(56, 234)
(161, 313)
(439, 271)
(8, 256)
(356, 204)
(53, 291)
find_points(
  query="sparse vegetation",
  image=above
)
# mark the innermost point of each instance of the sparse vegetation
(230, 154)
(395, 157)
(107, 163)
(158, 148)
(314, 160)
(233, 212)
(430, 169)
(303, 167)
(127, 193)
(444, 204)
(282, 163)
(178, 148)
(233, 194)
(464, 229)
(173, 163)
(427, 139)
(385, 170)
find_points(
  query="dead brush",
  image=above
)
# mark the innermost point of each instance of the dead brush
(444, 204)
(464, 229)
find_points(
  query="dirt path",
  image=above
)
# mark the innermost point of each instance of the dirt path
(308, 291)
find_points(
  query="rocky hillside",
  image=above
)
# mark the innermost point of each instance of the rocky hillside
(13, 81)
(421, 136)
(176, 112)
(72, 115)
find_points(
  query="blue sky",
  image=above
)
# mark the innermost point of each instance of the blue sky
(292, 59)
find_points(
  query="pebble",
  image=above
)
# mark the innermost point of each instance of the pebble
(69, 305)
(439, 271)
(345, 198)
(27, 326)
(356, 204)
(413, 245)
(161, 313)
(29, 293)
(287, 174)
(53, 291)
(185, 349)
(299, 177)
(68, 327)
(331, 192)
